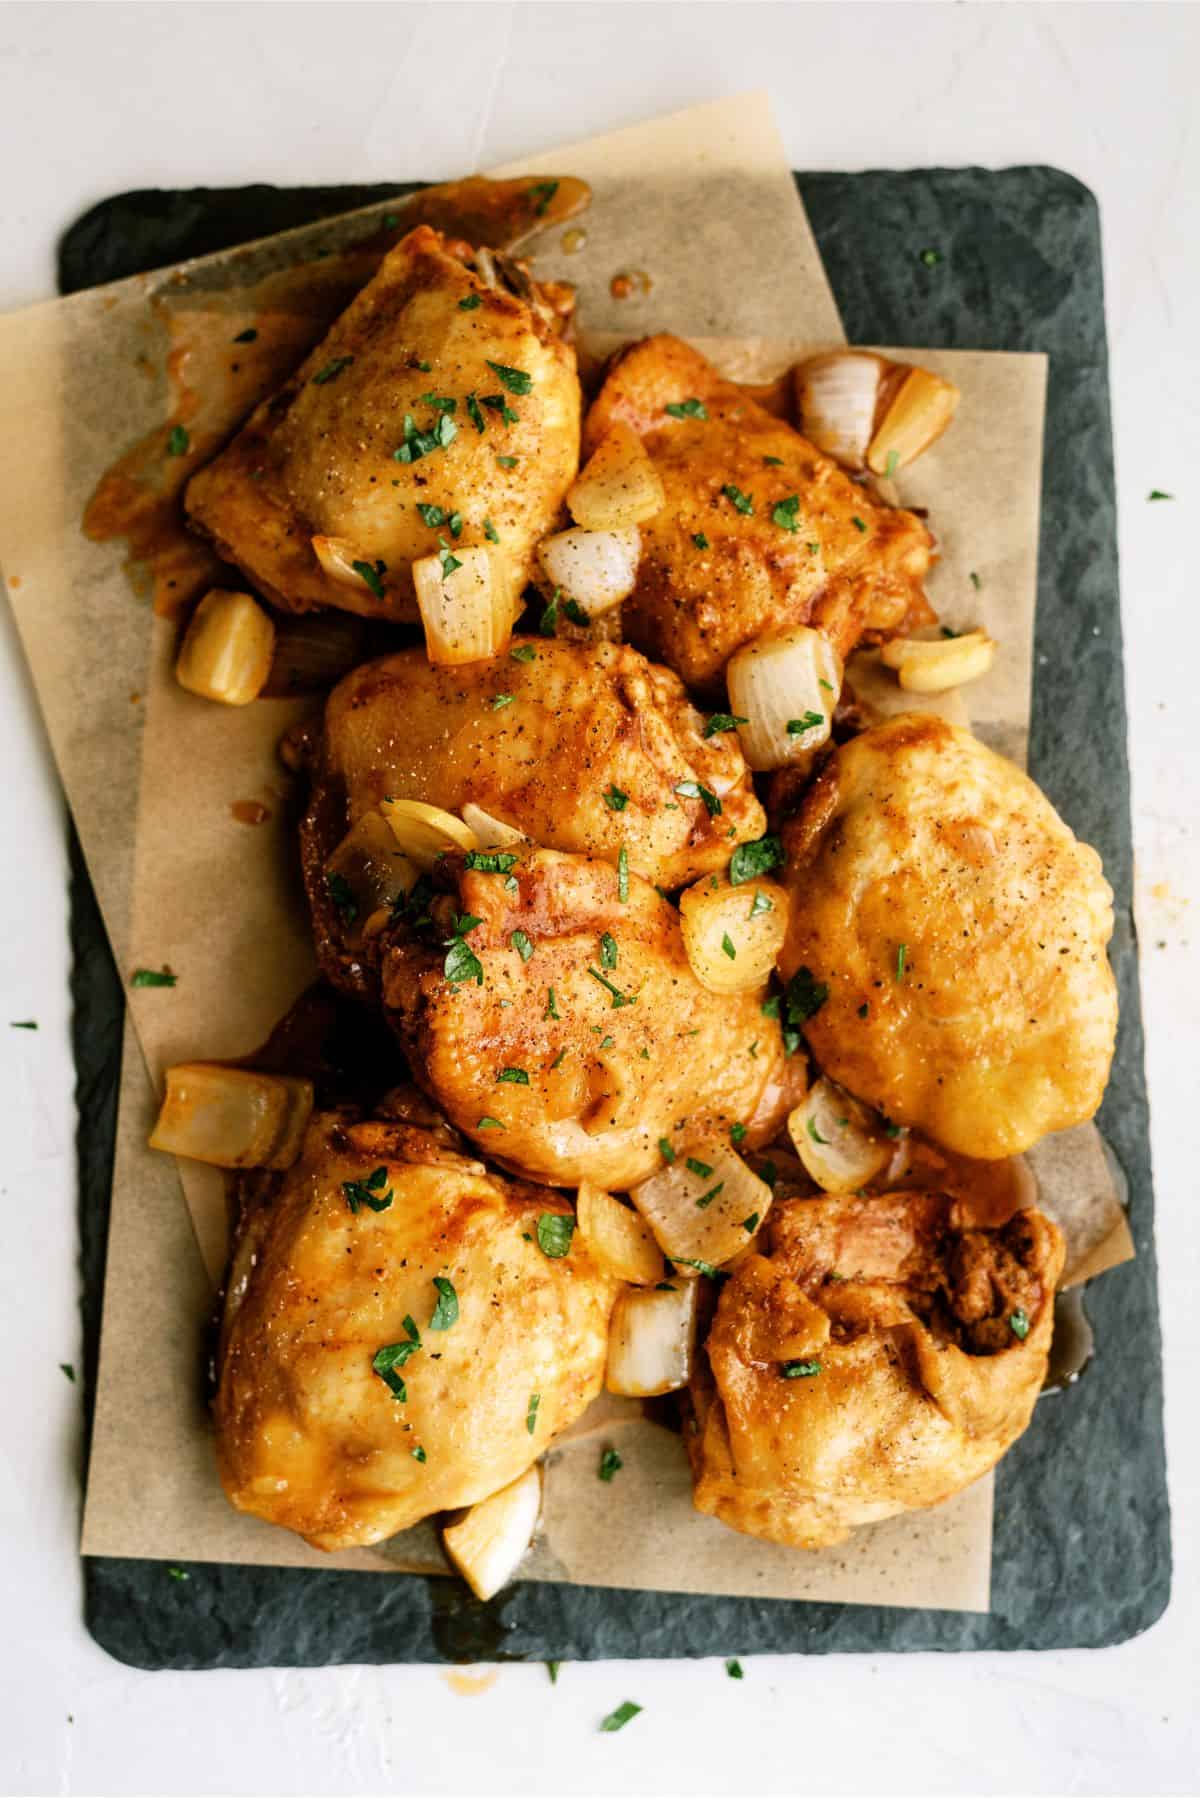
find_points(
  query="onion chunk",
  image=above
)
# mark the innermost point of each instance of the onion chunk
(652, 1340)
(227, 649)
(840, 1141)
(620, 1240)
(733, 934)
(786, 686)
(935, 665)
(232, 1117)
(705, 1206)
(618, 486)
(490, 1541)
(425, 832)
(595, 569)
(465, 606)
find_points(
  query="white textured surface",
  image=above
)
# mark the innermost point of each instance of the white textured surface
(98, 98)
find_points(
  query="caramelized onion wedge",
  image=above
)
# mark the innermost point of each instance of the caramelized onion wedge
(489, 832)
(232, 1117)
(426, 832)
(489, 1542)
(227, 650)
(596, 569)
(651, 1340)
(620, 1240)
(368, 870)
(840, 1141)
(837, 396)
(917, 414)
(786, 687)
(936, 665)
(618, 486)
(465, 606)
(733, 935)
(704, 1206)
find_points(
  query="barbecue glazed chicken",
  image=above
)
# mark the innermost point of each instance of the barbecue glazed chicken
(443, 397)
(960, 929)
(880, 1356)
(560, 1027)
(382, 1238)
(578, 747)
(759, 531)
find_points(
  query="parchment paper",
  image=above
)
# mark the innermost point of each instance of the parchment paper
(181, 883)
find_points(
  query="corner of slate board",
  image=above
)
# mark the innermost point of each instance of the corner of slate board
(1082, 1554)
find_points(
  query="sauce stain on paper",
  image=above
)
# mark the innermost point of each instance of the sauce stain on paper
(472, 1685)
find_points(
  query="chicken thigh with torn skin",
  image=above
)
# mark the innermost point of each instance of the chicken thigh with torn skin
(758, 531)
(549, 1009)
(880, 1356)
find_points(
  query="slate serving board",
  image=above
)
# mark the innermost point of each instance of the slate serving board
(1082, 1539)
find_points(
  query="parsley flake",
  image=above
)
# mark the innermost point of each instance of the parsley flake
(624, 1713)
(474, 414)
(623, 875)
(721, 721)
(618, 997)
(512, 1077)
(524, 652)
(470, 304)
(750, 1224)
(543, 192)
(892, 464)
(901, 958)
(522, 943)
(535, 1399)
(490, 861)
(694, 789)
(751, 859)
(706, 1199)
(370, 573)
(514, 379)
(610, 1464)
(666, 1151)
(153, 977)
(368, 1192)
(615, 800)
(1018, 1323)
(490, 531)
(798, 727)
(741, 502)
(246, 336)
(787, 513)
(332, 370)
(554, 1232)
(798, 1370)
(608, 951)
(178, 442)
(462, 964)
(727, 947)
(734, 1669)
(686, 409)
(931, 258)
(445, 1312)
(858, 524)
(551, 1010)
(761, 904)
(700, 540)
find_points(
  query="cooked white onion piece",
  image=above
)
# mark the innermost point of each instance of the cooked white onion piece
(786, 686)
(227, 649)
(490, 833)
(840, 1142)
(467, 610)
(426, 832)
(651, 1340)
(337, 557)
(733, 934)
(621, 1241)
(489, 1542)
(836, 396)
(618, 485)
(704, 1206)
(918, 411)
(935, 665)
(597, 569)
(368, 871)
(232, 1117)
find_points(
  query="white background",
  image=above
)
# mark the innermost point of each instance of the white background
(98, 98)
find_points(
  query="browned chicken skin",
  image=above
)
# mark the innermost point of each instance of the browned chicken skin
(580, 747)
(840, 562)
(423, 341)
(881, 1357)
(960, 929)
(569, 1057)
(342, 1262)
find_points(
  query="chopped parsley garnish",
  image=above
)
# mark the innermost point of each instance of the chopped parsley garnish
(811, 1127)
(892, 1130)
(496, 402)
(797, 727)
(515, 379)
(507, 461)
(552, 1668)
(524, 652)
(623, 1714)
(741, 502)
(706, 1199)
(892, 464)
(734, 1669)
(1018, 1323)
(369, 573)
(702, 1267)
(761, 904)
(23, 1024)
(610, 1463)
(543, 192)
(618, 997)
(423, 443)
(548, 622)
(551, 1010)
(559, 1058)
(699, 1168)
(501, 700)
(1157, 493)
(771, 1007)
(368, 1192)
(768, 1173)
(623, 875)
(535, 1399)
(722, 721)
(445, 1312)
(694, 789)
(666, 1151)
(787, 513)
(686, 409)
(489, 1123)
(608, 951)
(901, 958)
(554, 1232)
(432, 515)
(615, 800)
(418, 1454)
(178, 1573)
(153, 977)
(66, 1368)
(773, 461)
(805, 996)
(441, 402)
(332, 370)
(490, 531)
(727, 947)
(512, 1077)
(575, 612)
(178, 442)
(931, 258)
(448, 559)
(246, 336)
(737, 1133)
(750, 1224)
(474, 414)
(470, 303)
(858, 524)
(799, 1370)
(396, 1354)
(700, 540)
(522, 943)
(864, 1009)
(751, 859)
(490, 861)
(462, 964)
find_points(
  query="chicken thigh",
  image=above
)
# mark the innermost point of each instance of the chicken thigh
(549, 1009)
(881, 1356)
(759, 531)
(395, 1340)
(443, 405)
(947, 934)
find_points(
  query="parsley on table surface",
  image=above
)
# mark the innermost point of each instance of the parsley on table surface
(624, 1713)
(1157, 493)
(734, 1669)
(931, 258)
(178, 1573)
(66, 1368)
(153, 977)
(610, 1464)
(554, 1232)
(23, 1024)
(552, 1668)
